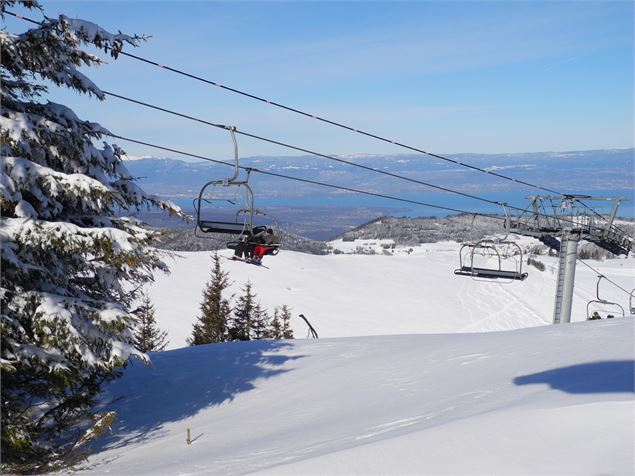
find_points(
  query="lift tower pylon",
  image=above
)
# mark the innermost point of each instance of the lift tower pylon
(550, 217)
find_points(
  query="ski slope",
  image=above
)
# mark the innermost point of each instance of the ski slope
(405, 293)
(406, 378)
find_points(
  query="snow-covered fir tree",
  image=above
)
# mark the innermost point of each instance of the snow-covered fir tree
(243, 316)
(148, 337)
(212, 324)
(71, 259)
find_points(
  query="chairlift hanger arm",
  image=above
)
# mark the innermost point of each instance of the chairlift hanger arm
(232, 131)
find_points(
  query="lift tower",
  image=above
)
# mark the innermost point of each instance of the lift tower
(551, 217)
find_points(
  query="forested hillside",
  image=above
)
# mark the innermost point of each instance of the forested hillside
(403, 231)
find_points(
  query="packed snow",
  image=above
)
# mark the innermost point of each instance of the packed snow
(410, 291)
(416, 371)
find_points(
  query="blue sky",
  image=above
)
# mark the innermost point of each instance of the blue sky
(447, 77)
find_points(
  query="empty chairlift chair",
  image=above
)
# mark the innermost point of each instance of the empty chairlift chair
(218, 201)
(491, 260)
(487, 260)
(214, 208)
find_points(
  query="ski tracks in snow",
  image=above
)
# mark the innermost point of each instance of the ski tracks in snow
(504, 308)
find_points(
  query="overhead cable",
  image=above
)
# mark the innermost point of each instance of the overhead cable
(300, 179)
(350, 128)
(329, 157)
(334, 123)
(307, 151)
(600, 274)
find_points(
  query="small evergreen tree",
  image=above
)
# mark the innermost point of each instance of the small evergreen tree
(212, 324)
(260, 324)
(148, 337)
(243, 318)
(275, 327)
(285, 317)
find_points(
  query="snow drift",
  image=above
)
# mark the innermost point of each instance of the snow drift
(555, 400)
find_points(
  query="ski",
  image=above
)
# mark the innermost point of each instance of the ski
(246, 261)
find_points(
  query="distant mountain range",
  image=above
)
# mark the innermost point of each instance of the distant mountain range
(563, 171)
(319, 212)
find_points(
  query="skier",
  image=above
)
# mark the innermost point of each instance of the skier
(242, 249)
(262, 243)
(595, 316)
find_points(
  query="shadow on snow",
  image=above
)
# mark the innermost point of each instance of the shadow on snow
(596, 377)
(180, 383)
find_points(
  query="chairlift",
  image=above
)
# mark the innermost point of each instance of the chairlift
(630, 303)
(484, 259)
(603, 305)
(213, 214)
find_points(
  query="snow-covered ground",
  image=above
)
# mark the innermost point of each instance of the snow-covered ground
(404, 293)
(398, 382)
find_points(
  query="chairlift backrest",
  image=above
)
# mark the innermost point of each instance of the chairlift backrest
(262, 221)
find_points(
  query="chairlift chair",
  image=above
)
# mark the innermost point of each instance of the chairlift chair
(211, 213)
(472, 255)
(486, 251)
(216, 192)
(605, 306)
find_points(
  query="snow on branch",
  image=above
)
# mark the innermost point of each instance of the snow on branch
(45, 183)
(59, 40)
(88, 328)
(93, 33)
(42, 232)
